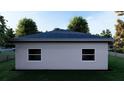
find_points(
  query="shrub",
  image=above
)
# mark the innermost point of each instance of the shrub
(120, 50)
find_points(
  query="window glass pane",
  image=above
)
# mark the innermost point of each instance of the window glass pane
(34, 51)
(88, 57)
(34, 57)
(88, 51)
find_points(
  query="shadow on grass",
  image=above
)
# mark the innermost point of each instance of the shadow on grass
(59, 75)
(115, 73)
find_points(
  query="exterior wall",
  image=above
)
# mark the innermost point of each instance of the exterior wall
(62, 56)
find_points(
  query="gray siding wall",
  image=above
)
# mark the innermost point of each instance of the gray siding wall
(62, 56)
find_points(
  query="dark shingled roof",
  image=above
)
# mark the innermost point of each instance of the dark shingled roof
(61, 35)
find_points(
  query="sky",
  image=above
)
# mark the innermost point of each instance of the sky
(48, 20)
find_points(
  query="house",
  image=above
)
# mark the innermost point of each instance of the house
(62, 49)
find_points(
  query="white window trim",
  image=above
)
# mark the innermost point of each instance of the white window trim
(33, 54)
(89, 54)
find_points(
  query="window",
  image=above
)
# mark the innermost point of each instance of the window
(88, 54)
(34, 54)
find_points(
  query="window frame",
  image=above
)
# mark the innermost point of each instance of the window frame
(89, 54)
(28, 54)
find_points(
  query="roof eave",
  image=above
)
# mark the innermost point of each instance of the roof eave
(64, 39)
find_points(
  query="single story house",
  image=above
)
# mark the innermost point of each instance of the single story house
(62, 50)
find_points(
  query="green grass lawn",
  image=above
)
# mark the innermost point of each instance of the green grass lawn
(115, 72)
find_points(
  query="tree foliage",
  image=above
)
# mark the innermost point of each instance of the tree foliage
(2, 24)
(119, 35)
(119, 13)
(25, 27)
(78, 24)
(8, 36)
(6, 33)
(106, 33)
(2, 30)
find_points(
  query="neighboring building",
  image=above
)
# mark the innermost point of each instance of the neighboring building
(62, 49)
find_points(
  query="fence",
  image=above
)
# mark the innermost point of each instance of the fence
(6, 57)
(116, 54)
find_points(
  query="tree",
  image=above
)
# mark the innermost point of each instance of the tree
(78, 24)
(119, 35)
(10, 33)
(119, 13)
(6, 33)
(2, 24)
(8, 36)
(3, 29)
(106, 33)
(97, 34)
(25, 27)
